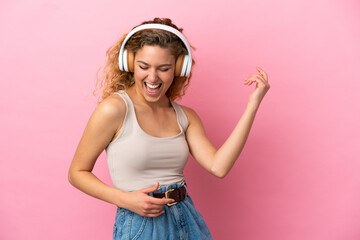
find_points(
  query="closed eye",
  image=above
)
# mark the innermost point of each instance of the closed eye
(143, 68)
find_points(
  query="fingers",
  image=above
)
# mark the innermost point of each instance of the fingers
(151, 212)
(152, 203)
(159, 201)
(154, 206)
(262, 78)
(153, 200)
(253, 78)
(154, 211)
(150, 189)
(265, 76)
(154, 214)
(151, 206)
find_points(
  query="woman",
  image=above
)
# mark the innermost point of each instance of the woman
(147, 136)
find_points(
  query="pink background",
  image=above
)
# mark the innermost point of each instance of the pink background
(298, 176)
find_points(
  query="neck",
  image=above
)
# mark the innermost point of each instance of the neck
(138, 98)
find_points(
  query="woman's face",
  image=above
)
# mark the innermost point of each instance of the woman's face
(153, 72)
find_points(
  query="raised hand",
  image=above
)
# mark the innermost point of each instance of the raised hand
(141, 203)
(262, 86)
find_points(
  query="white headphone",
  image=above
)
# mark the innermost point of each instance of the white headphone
(183, 62)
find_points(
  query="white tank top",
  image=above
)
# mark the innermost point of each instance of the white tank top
(138, 160)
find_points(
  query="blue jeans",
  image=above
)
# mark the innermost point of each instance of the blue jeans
(180, 221)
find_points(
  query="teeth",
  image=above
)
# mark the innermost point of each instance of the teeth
(152, 86)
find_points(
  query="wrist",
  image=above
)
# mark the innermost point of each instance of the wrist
(253, 106)
(120, 198)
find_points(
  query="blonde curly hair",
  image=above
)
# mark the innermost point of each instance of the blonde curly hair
(112, 79)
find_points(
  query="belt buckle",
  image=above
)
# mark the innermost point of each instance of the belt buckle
(166, 196)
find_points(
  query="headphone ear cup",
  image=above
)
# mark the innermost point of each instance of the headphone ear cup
(179, 65)
(187, 66)
(130, 60)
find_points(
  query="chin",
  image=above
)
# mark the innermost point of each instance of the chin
(154, 99)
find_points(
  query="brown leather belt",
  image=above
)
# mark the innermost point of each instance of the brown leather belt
(178, 194)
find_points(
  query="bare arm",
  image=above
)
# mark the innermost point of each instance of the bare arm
(219, 162)
(100, 130)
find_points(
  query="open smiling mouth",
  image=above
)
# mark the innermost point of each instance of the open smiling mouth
(152, 89)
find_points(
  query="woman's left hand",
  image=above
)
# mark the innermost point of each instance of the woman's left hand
(262, 86)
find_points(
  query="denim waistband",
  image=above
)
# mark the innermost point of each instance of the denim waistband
(171, 186)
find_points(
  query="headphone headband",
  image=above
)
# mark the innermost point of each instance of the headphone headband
(186, 68)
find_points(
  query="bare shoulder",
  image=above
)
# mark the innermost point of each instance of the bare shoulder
(191, 114)
(113, 104)
(111, 110)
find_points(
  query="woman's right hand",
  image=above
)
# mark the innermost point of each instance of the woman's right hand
(141, 203)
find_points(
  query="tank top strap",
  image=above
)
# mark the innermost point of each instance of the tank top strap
(130, 110)
(125, 97)
(128, 126)
(181, 116)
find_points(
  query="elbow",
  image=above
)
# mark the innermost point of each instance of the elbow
(70, 178)
(218, 173)
(221, 175)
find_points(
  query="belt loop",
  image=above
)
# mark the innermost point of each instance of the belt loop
(186, 190)
(167, 188)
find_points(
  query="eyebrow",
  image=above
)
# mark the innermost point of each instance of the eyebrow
(162, 65)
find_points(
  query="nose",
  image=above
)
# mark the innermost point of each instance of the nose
(152, 75)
